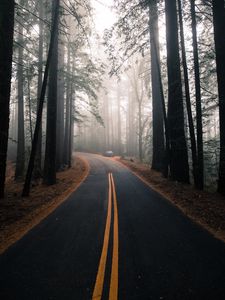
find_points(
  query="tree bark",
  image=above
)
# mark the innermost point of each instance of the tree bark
(60, 104)
(107, 123)
(67, 118)
(179, 168)
(71, 123)
(157, 110)
(26, 188)
(188, 98)
(6, 50)
(140, 132)
(38, 159)
(119, 119)
(50, 149)
(20, 159)
(29, 105)
(131, 148)
(219, 26)
(200, 165)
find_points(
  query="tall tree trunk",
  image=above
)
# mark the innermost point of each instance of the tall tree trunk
(107, 122)
(29, 105)
(50, 149)
(119, 119)
(112, 129)
(71, 124)
(187, 97)
(20, 160)
(157, 109)
(200, 169)
(38, 160)
(140, 132)
(60, 104)
(130, 123)
(219, 26)
(26, 188)
(6, 50)
(179, 169)
(127, 131)
(67, 118)
(131, 136)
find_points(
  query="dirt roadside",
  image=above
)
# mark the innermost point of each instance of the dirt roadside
(204, 208)
(18, 215)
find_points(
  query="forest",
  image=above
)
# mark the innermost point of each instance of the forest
(149, 86)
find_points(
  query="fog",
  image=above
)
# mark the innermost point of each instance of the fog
(104, 85)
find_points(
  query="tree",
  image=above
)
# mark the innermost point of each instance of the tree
(38, 167)
(71, 122)
(200, 163)
(219, 25)
(60, 102)
(139, 93)
(55, 19)
(20, 159)
(66, 143)
(131, 146)
(119, 118)
(157, 101)
(6, 50)
(188, 98)
(179, 169)
(50, 148)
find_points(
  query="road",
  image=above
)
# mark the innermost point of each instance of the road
(114, 238)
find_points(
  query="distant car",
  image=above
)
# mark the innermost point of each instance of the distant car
(108, 153)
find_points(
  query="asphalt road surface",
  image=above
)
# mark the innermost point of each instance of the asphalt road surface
(114, 238)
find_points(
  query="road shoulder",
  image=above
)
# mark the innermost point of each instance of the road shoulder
(19, 215)
(205, 208)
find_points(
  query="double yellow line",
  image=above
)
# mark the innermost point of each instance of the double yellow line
(113, 290)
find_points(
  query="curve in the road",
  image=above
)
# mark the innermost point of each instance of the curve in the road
(160, 253)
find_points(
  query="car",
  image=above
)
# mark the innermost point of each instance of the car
(109, 153)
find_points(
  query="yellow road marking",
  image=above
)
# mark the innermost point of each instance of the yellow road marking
(113, 292)
(97, 294)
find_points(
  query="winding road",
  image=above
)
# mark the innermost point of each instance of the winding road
(114, 238)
